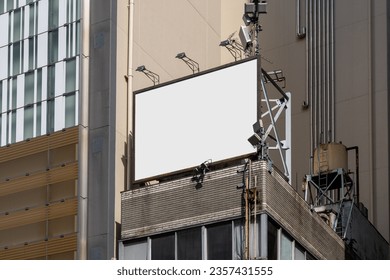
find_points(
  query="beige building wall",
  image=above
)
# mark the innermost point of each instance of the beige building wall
(162, 29)
(122, 125)
(165, 28)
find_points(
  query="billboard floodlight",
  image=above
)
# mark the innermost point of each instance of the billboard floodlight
(194, 66)
(151, 75)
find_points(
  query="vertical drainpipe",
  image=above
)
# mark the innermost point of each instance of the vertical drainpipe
(332, 75)
(370, 117)
(324, 77)
(328, 79)
(319, 73)
(309, 46)
(301, 32)
(130, 97)
(314, 49)
(83, 134)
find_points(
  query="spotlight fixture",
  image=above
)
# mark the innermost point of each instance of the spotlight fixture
(249, 33)
(252, 10)
(245, 37)
(256, 139)
(233, 47)
(194, 66)
(151, 75)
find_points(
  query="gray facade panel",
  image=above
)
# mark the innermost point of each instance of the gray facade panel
(181, 201)
(177, 204)
(286, 207)
(102, 125)
(362, 238)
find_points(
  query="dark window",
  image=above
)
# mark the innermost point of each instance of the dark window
(53, 13)
(50, 95)
(219, 242)
(272, 240)
(299, 252)
(16, 58)
(163, 247)
(136, 250)
(189, 244)
(286, 246)
(10, 5)
(53, 46)
(38, 114)
(309, 256)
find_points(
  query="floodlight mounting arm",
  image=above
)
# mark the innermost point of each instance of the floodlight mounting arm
(155, 78)
(269, 78)
(192, 64)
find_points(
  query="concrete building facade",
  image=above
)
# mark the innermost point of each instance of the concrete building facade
(346, 44)
(66, 101)
(63, 127)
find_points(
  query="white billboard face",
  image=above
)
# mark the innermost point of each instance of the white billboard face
(208, 117)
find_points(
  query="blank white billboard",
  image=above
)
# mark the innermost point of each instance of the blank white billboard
(207, 117)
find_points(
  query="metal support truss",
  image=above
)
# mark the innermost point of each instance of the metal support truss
(250, 40)
(275, 107)
(324, 183)
(328, 193)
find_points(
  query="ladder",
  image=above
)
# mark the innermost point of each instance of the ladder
(323, 169)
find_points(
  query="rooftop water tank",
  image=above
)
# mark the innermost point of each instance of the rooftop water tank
(328, 157)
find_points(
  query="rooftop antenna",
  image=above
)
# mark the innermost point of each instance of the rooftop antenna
(265, 129)
(251, 31)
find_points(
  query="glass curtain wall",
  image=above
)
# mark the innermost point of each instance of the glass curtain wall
(40, 83)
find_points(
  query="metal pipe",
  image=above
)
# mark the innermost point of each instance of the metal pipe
(319, 81)
(255, 235)
(309, 43)
(332, 70)
(324, 63)
(288, 136)
(246, 251)
(356, 149)
(319, 77)
(306, 103)
(300, 34)
(329, 105)
(370, 117)
(82, 190)
(249, 208)
(130, 96)
(315, 71)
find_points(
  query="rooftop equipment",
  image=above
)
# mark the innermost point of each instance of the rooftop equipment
(330, 188)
